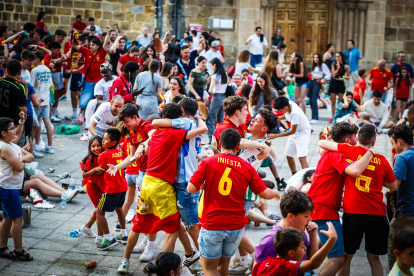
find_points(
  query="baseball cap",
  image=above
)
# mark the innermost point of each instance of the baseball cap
(92, 28)
(215, 43)
(189, 38)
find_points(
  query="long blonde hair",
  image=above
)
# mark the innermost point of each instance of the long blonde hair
(270, 63)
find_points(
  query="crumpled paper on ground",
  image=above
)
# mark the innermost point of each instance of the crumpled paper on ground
(44, 205)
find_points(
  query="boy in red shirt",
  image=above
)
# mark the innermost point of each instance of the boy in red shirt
(327, 188)
(116, 187)
(360, 87)
(364, 209)
(225, 178)
(289, 243)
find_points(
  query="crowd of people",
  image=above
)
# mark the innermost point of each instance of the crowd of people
(149, 105)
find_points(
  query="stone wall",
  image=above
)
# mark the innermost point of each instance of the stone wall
(399, 30)
(130, 15)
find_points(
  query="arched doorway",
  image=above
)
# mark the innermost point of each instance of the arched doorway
(306, 26)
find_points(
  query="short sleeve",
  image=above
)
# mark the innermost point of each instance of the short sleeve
(294, 119)
(339, 161)
(400, 167)
(339, 105)
(97, 116)
(371, 72)
(344, 148)
(192, 74)
(122, 60)
(273, 94)
(256, 183)
(83, 50)
(199, 175)
(148, 127)
(180, 135)
(180, 123)
(101, 161)
(103, 52)
(389, 174)
(98, 89)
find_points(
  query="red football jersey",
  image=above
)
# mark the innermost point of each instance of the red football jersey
(226, 179)
(58, 66)
(116, 183)
(124, 59)
(94, 74)
(363, 194)
(276, 266)
(328, 185)
(119, 87)
(163, 153)
(126, 148)
(229, 124)
(98, 179)
(138, 136)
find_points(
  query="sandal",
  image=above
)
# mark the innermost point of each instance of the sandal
(21, 256)
(3, 254)
(81, 119)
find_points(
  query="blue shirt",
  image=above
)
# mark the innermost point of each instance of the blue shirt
(187, 161)
(352, 57)
(30, 91)
(404, 170)
(340, 112)
(395, 69)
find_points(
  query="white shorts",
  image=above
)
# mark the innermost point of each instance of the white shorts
(298, 144)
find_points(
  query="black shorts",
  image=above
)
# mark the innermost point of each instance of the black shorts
(402, 99)
(375, 228)
(75, 82)
(25, 178)
(66, 76)
(109, 202)
(357, 101)
(28, 126)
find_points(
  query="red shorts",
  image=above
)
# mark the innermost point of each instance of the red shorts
(94, 192)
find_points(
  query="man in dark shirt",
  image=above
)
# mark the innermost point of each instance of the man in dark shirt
(12, 92)
(116, 51)
(395, 69)
(186, 62)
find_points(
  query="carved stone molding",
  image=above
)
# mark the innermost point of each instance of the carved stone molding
(361, 5)
(267, 3)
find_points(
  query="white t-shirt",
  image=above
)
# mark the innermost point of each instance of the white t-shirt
(256, 47)
(98, 30)
(103, 117)
(240, 66)
(220, 88)
(297, 117)
(26, 75)
(102, 88)
(9, 178)
(41, 80)
(209, 56)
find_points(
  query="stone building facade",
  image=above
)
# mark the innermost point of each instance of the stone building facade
(380, 28)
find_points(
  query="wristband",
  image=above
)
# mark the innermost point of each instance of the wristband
(21, 122)
(371, 152)
(132, 159)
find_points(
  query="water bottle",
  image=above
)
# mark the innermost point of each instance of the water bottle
(75, 233)
(63, 200)
(72, 183)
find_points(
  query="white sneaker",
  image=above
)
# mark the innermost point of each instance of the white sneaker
(187, 261)
(124, 266)
(49, 149)
(37, 154)
(139, 248)
(71, 195)
(60, 117)
(55, 119)
(98, 240)
(148, 255)
(314, 122)
(88, 232)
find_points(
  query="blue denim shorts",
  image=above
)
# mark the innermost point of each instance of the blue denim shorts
(187, 204)
(131, 179)
(338, 249)
(87, 94)
(214, 244)
(303, 85)
(10, 203)
(43, 111)
(139, 179)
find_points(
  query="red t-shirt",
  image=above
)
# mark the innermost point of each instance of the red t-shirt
(226, 179)
(124, 59)
(66, 49)
(360, 84)
(46, 60)
(98, 179)
(79, 27)
(403, 91)
(380, 79)
(41, 25)
(242, 129)
(94, 74)
(138, 136)
(58, 66)
(328, 185)
(116, 183)
(276, 266)
(363, 195)
(126, 148)
(163, 153)
(121, 86)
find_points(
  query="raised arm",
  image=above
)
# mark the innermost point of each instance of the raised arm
(105, 43)
(164, 41)
(11, 38)
(115, 44)
(201, 45)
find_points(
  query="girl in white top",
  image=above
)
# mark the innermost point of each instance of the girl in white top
(166, 73)
(177, 88)
(243, 63)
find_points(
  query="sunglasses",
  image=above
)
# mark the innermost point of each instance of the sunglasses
(411, 253)
(12, 128)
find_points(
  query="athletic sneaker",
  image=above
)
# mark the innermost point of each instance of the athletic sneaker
(63, 98)
(236, 267)
(59, 117)
(148, 255)
(117, 228)
(139, 248)
(124, 266)
(55, 119)
(122, 239)
(196, 267)
(106, 244)
(38, 148)
(187, 261)
(49, 149)
(71, 118)
(314, 122)
(37, 154)
(98, 240)
(71, 194)
(88, 231)
(281, 186)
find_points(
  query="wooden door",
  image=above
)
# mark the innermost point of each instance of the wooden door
(305, 24)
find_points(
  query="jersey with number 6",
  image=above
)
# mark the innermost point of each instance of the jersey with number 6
(363, 194)
(226, 178)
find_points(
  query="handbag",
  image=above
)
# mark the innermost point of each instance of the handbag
(229, 89)
(82, 84)
(277, 84)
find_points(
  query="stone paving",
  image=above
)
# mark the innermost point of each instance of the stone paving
(56, 253)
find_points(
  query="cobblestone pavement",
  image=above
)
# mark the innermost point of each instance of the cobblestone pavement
(56, 253)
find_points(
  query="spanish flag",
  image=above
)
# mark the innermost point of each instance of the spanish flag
(158, 207)
(325, 133)
(161, 105)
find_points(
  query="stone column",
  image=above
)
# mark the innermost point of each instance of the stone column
(267, 12)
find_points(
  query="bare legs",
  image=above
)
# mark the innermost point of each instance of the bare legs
(300, 94)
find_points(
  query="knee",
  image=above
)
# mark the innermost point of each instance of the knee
(340, 261)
